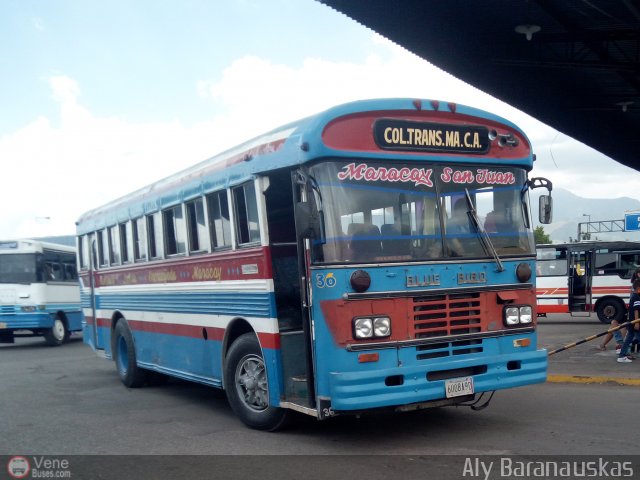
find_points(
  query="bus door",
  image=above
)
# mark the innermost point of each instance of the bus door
(98, 334)
(289, 254)
(579, 281)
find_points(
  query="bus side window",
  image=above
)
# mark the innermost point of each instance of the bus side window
(114, 246)
(103, 248)
(124, 230)
(628, 263)
(246, 209)
(219, 220)
(154, 236)
(196, 226)
(54, 272)
(139, 240)
(175, 233)
(70, 272)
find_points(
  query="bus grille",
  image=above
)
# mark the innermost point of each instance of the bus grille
(7, 310)
(444, 316)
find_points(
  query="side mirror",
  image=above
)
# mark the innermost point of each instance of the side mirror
(307, 220)
(545, 213)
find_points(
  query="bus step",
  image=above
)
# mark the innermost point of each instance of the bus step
(297, 387)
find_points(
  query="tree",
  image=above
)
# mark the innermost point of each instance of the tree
(540, 236)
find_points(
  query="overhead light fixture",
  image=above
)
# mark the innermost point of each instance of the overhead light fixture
(624, 105)
(528, 30)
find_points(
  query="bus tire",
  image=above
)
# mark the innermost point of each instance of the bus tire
(610, 309)
(245, 380)
(131, 375)
(58, 333)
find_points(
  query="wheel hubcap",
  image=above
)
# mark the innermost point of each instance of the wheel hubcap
(58, 329)
(251, 383)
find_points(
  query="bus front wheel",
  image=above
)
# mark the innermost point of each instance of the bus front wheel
(125, 355)
(610, 309)
(58, 333)
(245, 381)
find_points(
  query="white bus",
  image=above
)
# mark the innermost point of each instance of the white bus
(580, 278)
(39, 291)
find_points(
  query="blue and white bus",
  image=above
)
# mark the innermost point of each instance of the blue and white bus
(39, 291)
(378, 255)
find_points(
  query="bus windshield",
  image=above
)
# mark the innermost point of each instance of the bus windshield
(19, 268)
(395, 212)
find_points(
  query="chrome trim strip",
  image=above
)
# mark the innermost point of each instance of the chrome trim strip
(436, 291)
(419, 263)
(429, 341)
(299, 408)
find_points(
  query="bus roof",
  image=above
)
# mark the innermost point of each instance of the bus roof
(29, 245)
(290, 145)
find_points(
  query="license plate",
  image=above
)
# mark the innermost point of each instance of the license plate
(458, 386)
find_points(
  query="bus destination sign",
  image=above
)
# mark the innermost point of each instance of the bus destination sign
(391, 134)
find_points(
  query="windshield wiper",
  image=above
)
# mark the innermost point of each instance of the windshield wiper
(484, 237)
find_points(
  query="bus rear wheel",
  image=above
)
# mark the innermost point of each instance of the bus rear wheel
(57, 334)
(245, 380)
(610, 309)
(130, 373)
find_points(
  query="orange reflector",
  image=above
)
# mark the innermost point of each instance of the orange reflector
(368, 357)
(522, 342)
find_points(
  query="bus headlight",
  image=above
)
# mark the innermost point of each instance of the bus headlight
(526, 315)
(381, 326)
(518, 315)
(511, 316)
(365, 327)
(362, 328)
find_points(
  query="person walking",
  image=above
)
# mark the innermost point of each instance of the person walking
(614, 323)
(633, 331)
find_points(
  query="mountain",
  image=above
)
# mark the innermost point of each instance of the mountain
(569, 210)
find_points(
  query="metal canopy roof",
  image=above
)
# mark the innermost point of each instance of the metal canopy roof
(578, 73)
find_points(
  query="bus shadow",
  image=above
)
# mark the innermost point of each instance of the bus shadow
(35, 343)
(356, 428)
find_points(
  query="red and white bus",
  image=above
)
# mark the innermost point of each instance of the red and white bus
(322, 267)
(580, 278)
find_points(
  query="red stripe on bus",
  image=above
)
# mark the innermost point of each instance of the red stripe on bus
(267, 340)
(104, 322)
(193, 331)
(552, 309)
(600, 290)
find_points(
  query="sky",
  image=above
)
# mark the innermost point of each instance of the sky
(98, 99)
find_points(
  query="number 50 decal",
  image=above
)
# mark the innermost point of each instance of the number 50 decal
(327, 280)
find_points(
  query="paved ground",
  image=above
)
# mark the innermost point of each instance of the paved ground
(583, 363)
(67, 404)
